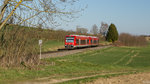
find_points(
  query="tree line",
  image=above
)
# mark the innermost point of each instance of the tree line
(94, 30)
(110, 32)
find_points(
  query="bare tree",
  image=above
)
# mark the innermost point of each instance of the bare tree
(81, 30)
(48, 11)
(15, 43)
(104, 28)
(3, 8)
(94, 29)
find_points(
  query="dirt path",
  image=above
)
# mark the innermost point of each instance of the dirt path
(69, 52)
(142, 78)
(49, 80)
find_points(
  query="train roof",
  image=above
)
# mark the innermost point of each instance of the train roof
(82, 36)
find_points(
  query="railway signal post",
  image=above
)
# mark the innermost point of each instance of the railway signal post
(40, 44)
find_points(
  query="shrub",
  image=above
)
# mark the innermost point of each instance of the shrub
(132, 40)
(17, 48)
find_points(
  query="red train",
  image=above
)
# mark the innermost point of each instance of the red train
(76, 41)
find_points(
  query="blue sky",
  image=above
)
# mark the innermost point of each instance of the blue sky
(130, 16)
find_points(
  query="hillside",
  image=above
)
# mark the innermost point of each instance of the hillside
(52, 39)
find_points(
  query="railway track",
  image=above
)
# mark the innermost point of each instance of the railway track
(64, 52)
(64, 49)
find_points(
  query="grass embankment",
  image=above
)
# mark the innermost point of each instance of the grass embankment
(52, 45)
(110, 60)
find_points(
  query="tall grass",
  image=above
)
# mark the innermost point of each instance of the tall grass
(17, 48)
(132, 40)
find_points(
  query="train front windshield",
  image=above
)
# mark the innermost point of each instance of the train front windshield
(69, 39)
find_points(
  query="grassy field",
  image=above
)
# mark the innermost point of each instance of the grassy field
(108, 60)
(52, 45)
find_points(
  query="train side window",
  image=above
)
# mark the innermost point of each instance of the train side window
(83, 42)
(77, 41)
(95, 41)
(87, 41)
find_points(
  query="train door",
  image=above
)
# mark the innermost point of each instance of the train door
(79, 41)
(86, 41)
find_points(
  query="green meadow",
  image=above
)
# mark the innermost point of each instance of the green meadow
(116, 60)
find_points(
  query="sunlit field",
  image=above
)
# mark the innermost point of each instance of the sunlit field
(109, 60)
